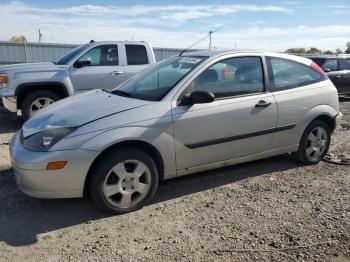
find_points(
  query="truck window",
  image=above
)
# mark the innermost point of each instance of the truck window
(136, 54)
(103, 55)
(344, 64)
(330, 65)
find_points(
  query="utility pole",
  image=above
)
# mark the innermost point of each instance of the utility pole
(40, 36)
(210, 33)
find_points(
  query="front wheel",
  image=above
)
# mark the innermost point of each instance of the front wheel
(314, 143)
(124, 180)
(37, 100)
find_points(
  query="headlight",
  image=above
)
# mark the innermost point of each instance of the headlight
(44, 140)
(4, 80)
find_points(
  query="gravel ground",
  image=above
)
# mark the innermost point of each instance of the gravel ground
(268, 210)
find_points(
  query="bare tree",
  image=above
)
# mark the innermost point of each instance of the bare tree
(347, 51)
(338, 51)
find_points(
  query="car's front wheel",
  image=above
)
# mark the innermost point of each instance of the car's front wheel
(314, 143)
(124, 180)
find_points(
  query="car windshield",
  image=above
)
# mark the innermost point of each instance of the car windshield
(67, 57)
(157, 80)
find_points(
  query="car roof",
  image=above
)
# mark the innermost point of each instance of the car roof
(340, 56)
(211, 53)
(217, 53)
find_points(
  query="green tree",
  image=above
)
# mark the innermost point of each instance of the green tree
(18, 39)
(296, 50)
(328, 52)
(314, 50)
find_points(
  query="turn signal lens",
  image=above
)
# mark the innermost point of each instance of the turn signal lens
(56, 165)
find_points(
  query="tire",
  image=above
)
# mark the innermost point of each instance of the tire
(111, 188)
(37, 96)
(320, 130)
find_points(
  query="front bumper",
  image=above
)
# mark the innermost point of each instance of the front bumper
(34, 180)
(8, 99)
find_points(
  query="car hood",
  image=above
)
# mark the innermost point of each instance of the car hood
(32, 67)
(78, 110)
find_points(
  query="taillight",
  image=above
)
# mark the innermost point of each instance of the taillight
(3, 80)
(318, 69)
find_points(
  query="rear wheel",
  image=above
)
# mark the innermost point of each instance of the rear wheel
(314, 143)
(124, 181)
(37, 100)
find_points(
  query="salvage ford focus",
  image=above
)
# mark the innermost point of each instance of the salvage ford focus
(185, 114)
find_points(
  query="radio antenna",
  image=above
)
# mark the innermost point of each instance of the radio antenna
(209, 35)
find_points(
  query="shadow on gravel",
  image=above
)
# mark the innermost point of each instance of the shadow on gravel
(9, 123)
(23, 218)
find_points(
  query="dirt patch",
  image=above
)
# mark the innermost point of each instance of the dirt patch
(269, 210)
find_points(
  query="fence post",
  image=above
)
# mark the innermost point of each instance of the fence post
(25, 53)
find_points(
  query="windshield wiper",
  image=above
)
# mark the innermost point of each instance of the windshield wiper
(106, 90)
(121, 93)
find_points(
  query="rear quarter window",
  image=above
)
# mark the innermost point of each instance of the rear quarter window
(287, 74)
(136, 55)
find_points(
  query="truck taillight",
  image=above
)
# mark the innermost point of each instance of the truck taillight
(318, 69)
(3, 80)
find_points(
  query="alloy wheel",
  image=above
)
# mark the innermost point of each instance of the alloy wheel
(127, 184)
(40, 103)
(316, 143)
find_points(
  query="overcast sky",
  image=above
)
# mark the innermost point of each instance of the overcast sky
(265, 24)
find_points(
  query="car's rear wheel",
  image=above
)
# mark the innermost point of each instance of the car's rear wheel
(37, 100)
(124, 180)
(314, 143)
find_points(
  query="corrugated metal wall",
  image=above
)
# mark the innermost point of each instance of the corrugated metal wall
(12, 53)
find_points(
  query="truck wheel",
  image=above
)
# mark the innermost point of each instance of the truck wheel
(36, 101)
(124, 180)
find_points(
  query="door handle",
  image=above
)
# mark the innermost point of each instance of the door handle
(262, 103)
(337, 76)
(116, 73)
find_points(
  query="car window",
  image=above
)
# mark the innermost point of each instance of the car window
(158, 79)
(102, 55)
(136, 54)
(330, 65)
(344, 64)
(231, 77)
(288, 74)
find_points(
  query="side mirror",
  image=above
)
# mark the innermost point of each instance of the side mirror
(327, 70)
(82, 62)
(199, 97)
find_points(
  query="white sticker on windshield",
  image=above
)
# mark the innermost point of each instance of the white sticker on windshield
(191, 60)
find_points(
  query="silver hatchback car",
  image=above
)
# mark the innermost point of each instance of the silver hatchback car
(185, 114)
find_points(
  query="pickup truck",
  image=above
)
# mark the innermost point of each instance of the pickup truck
(96, 65)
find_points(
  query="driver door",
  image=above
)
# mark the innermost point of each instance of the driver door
(238, 123)
(104, 72)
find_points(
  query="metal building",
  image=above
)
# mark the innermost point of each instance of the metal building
(13, 53)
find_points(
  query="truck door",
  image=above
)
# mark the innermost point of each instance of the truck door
(104, 72)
